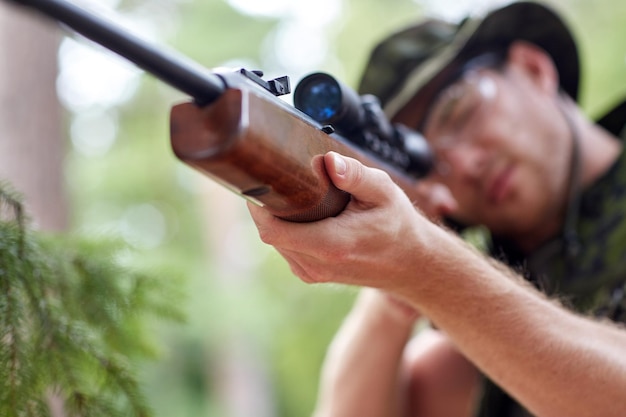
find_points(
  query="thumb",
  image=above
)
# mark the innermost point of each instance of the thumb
(368, 185)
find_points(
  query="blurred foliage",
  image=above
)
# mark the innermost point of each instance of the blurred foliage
(365, 23)
(74, 321)
(242, 296)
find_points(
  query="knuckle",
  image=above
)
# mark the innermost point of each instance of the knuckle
(381, 177)
(266, 235)
(357, 173)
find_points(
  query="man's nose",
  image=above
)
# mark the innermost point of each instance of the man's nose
(467, 160)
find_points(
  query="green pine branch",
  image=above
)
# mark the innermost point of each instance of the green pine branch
(73, 319)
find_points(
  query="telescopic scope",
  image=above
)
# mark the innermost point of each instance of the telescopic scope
(361, 120)
(330, 102)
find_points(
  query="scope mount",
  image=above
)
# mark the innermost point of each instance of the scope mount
(278, 86)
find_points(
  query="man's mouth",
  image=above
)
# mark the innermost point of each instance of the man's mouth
(499, 187)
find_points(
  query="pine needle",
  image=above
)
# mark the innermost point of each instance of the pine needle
(72, 321)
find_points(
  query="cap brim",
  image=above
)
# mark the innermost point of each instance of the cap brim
(525, 21)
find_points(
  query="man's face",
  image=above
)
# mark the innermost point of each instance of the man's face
(503, 149)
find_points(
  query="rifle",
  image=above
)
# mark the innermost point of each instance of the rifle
(237, 132)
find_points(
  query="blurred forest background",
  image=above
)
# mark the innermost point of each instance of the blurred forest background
(85, 138)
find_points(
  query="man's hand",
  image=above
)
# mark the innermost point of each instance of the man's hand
(370, 243)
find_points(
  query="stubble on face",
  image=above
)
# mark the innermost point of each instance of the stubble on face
(520, 191)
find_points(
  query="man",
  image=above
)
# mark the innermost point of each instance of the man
(496, 100)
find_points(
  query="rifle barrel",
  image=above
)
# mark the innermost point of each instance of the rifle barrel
(174, 69)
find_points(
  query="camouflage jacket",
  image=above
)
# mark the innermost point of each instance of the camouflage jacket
(592, 277)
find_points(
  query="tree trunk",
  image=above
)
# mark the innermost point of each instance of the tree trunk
(32, 145)
(241, 379)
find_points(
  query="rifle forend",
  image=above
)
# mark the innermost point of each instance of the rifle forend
(235, 130)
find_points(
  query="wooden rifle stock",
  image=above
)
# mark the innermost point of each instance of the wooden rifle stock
(235, 131)
(267, 154)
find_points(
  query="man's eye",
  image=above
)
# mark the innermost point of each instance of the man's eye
(445, 109)
(452, 107)
(461, 112)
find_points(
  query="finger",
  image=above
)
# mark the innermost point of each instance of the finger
(367, 185)
(301, 238)
(262, 218)
(295, 265)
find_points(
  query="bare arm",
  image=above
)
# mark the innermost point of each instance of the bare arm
(553, 361)
(362, 376)
(371, 371)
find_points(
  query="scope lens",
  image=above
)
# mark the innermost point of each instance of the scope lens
(319, 97)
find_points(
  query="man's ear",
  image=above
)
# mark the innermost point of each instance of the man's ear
(535, 62)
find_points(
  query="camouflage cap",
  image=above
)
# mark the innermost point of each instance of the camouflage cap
(409, 67)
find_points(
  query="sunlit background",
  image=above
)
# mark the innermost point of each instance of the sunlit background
(255, 336)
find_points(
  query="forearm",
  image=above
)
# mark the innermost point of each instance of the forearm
(554, 362)
(361, 374)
